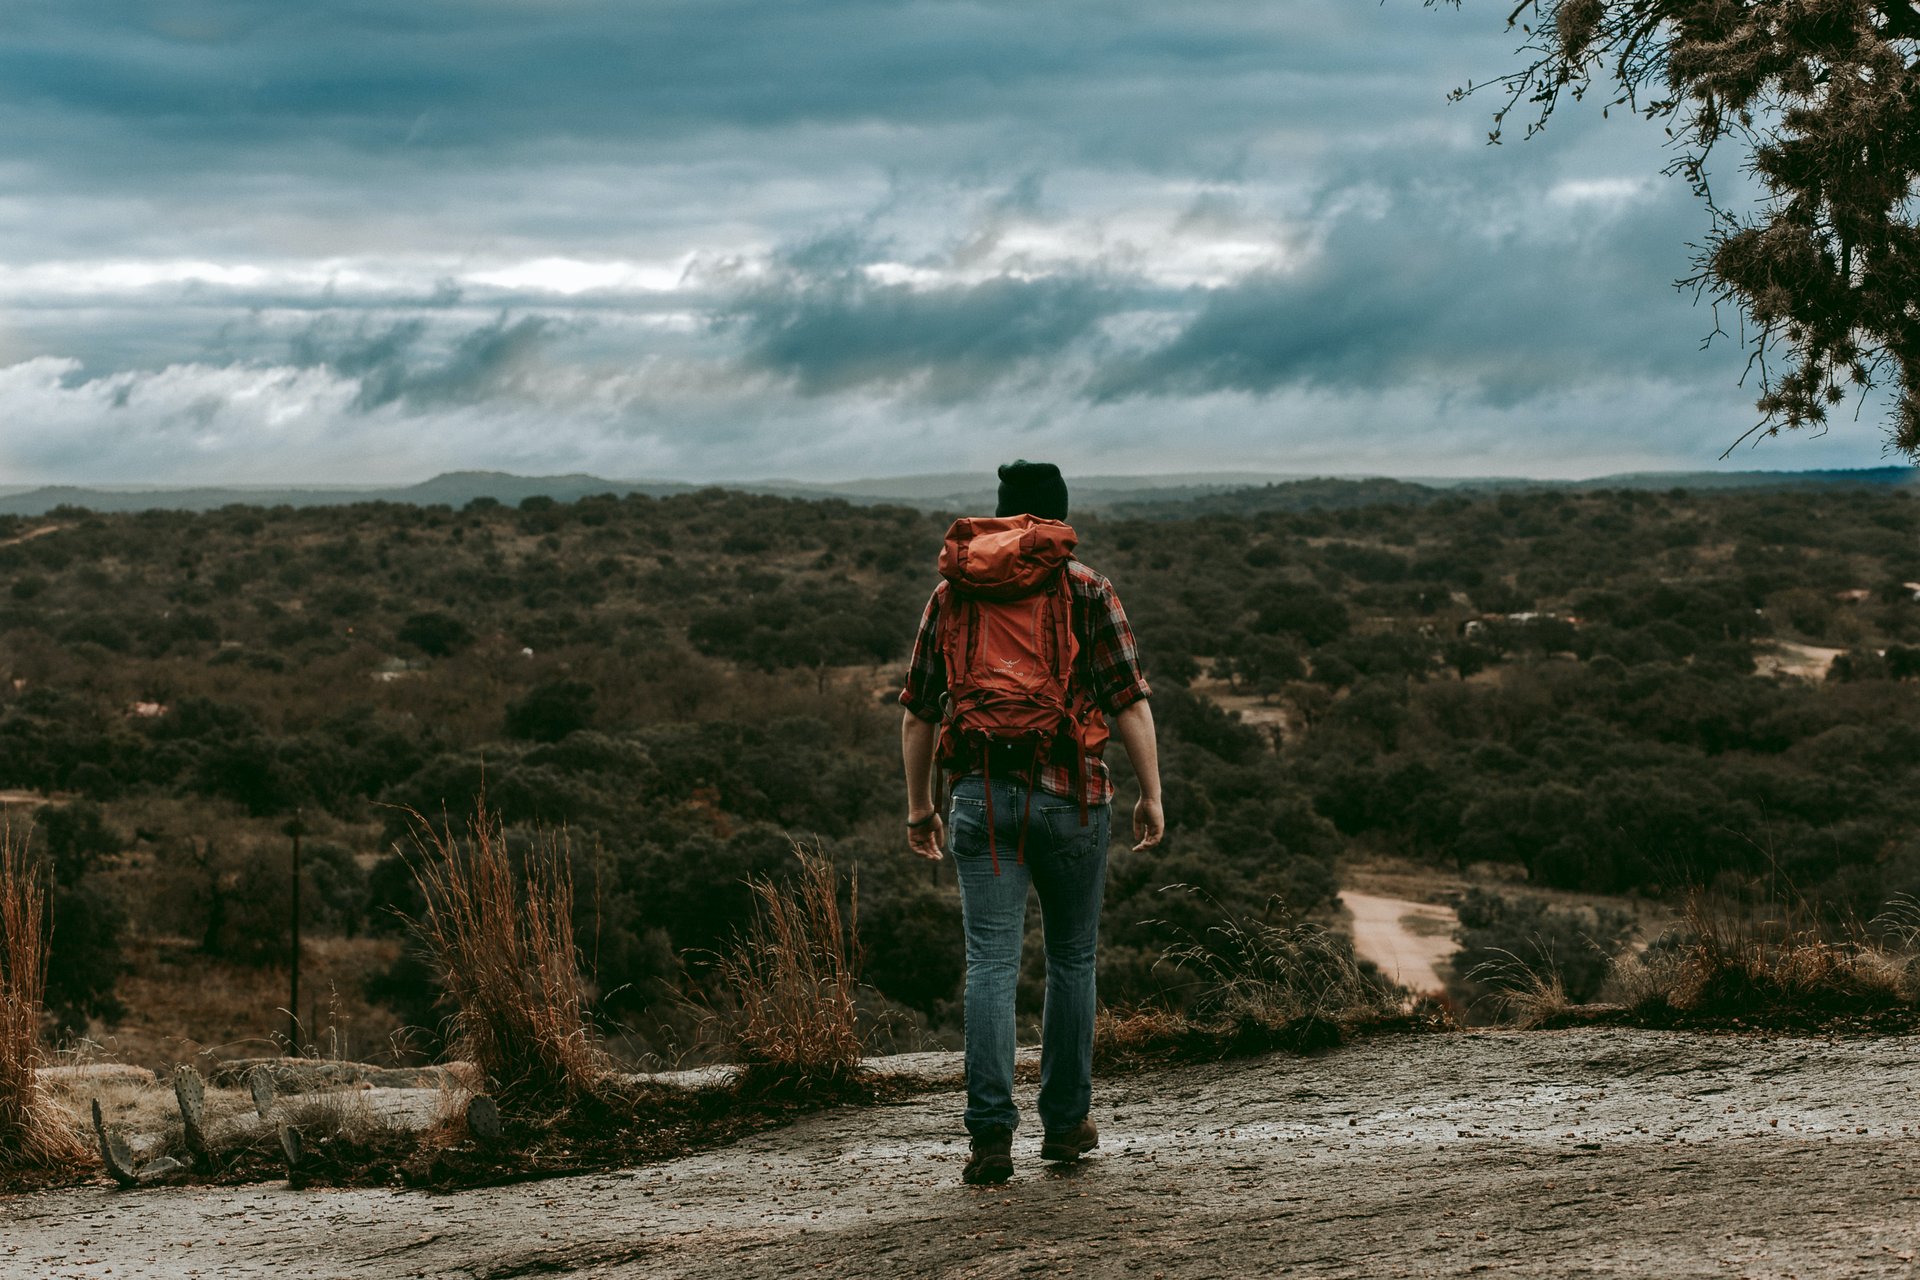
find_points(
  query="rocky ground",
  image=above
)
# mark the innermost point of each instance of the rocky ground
(1576, 1153)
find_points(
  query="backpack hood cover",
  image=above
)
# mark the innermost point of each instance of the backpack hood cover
(1004, 557)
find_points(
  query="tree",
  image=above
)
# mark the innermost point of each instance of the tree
(85, 956)
(1819, 97)
(434, 633)
(77, 839)
(1500, 936)
(551, 711)
(1264, 664)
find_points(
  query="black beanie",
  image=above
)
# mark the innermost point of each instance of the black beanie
(1032, 489)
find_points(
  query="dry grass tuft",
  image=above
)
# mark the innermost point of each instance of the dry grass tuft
(793, 975)
(1130, 1032)
(33, 1131)
(1729, 960)
(1255, 985)
(335, 1116)
(1276, 970)
(1526, 995)
(505, 949)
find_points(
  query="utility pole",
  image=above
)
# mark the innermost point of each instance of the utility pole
(295, 828)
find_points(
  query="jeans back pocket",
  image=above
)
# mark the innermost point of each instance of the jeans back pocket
(1064, 830)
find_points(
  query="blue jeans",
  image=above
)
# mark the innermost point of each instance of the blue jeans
(1067, 864)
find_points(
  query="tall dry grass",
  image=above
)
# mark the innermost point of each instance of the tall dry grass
(1525, 993)
(793, 974)
(1771, 958)
(33, 1129)
(504, 945)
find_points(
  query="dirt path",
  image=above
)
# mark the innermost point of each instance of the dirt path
(1579, 1153)
(1787, 657)
(1407, 941)
(1270, 718)
(31, 534)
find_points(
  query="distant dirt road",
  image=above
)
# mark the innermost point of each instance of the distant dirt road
(1786, 657)
(1408, 956)
(31, 534)
(1543, 1154)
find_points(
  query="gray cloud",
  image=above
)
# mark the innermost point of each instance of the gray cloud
(597, 122)
(383, 77)
(1499, 289)
(1429, 285)
(395, 365)
(242, 234)
(830, 328)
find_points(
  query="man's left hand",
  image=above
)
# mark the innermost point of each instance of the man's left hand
(1149, 824)
(930, 840)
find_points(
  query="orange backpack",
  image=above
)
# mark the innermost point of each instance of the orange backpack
(1009, 647)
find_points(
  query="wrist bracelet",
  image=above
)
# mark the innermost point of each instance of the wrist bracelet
(923, 823)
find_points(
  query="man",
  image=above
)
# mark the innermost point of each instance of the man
(1053, 813)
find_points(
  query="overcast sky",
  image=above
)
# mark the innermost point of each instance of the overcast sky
(366, 241)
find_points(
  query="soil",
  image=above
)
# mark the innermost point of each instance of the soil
(1406, 941)
(1274, 719)
(1589, 1152)
(31, 534)
(1789, 658)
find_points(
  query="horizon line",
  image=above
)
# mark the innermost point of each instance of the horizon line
(1249, 478)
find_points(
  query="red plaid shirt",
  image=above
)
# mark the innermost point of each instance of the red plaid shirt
(1107, 666)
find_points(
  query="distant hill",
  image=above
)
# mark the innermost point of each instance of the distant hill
(1288, 495)
(1186, 493)
(1334, 493)
(1852, 478)
(956, 492)
(454, 488)
(1859, 477)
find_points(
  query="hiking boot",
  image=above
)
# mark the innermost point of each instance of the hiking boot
(991, 1159)
(1070, 1144)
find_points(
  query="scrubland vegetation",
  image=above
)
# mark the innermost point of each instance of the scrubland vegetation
(1582, 687)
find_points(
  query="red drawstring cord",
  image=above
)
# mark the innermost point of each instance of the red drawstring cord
(986, 771)
(1079, 771)
(1033, 785)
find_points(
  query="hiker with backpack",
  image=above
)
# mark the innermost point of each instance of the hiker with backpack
(1022, 656)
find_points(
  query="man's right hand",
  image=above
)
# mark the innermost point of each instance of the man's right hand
(1149, 824)
(928, 841)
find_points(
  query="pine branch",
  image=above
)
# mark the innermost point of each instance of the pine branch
(1902, 19)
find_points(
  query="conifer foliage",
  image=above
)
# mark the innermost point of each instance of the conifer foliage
(1821, 100)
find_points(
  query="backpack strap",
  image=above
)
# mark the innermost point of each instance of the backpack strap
(964, 614)
(1062, 610)
(1060, 606)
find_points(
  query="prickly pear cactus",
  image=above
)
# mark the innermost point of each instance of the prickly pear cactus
(292, 1146)
(113, 1151)
(161, 1170)
(260, 1085)
(191, 1094)
(483, 1118)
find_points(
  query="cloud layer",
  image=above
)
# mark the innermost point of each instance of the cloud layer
(354, 242)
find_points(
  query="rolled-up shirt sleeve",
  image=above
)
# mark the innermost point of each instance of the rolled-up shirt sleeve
(1113, 658)
(926, 681)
